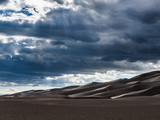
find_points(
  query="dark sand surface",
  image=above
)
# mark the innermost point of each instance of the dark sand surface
(143, 108)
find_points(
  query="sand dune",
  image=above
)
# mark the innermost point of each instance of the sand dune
(137, 98)
(147, 84)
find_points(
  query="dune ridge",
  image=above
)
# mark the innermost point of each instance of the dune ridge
(147, 84)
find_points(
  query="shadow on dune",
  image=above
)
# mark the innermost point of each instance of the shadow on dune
(147, 84)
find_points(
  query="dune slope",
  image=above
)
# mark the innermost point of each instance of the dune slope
(147, 84)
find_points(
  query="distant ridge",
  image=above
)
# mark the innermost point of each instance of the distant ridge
(147, 84)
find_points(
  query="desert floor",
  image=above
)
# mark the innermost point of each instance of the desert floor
(144, 108)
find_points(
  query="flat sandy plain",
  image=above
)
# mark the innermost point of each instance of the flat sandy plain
(143, 108)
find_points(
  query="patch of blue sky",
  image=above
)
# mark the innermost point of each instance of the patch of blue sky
(125, 76)
(8, 13)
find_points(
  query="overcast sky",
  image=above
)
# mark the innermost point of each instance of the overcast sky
(55, 43)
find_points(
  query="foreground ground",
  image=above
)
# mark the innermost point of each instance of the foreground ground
(144, 108)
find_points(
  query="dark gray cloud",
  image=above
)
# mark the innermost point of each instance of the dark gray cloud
(3, 1)
(146, 17)
(58, 1)
(66, 24)
(89, 39)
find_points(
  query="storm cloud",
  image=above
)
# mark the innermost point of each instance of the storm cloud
(79, 37)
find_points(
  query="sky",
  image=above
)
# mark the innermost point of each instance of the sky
(55, 43)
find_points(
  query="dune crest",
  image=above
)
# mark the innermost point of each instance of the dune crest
(147, 84)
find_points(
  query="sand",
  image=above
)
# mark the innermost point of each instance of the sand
(137, 98)
(143, 108)
(147, 84)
